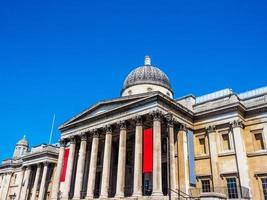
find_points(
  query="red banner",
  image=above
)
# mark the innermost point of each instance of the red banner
(148, 151)
(64, 167)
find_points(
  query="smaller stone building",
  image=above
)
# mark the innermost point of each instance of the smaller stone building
(28, 175)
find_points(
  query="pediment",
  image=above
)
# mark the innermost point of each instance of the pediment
(103, 107)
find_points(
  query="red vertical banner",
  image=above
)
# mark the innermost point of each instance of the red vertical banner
(148, 151)
(64, 167)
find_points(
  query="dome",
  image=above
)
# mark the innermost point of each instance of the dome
(147, 74)
(23, 142)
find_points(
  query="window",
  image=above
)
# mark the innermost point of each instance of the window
(226, 142)
(232, 188)
(258, 141)
(264, 187)
(202, 146)
(205, 185)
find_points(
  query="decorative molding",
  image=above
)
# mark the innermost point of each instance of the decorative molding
(237, 124)
(211, 129)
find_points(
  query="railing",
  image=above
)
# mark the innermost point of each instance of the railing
(230, 193)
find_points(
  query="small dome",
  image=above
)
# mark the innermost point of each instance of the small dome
(147, 74)
(23, 142)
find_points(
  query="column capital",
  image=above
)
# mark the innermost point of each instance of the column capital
(95, 133)
(138, 120)
(122, 125)
(108, 129)
(157, 115)
(211, 128)
(183, 127)
(62, 142)
(237, 123)
(72, 139)
(38, 165)
(83, 136)
(29, 167)
(170, 120)
(46, 163)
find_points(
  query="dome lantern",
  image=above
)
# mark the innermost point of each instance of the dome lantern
(21, 147)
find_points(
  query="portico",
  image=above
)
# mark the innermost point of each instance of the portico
(116, 161)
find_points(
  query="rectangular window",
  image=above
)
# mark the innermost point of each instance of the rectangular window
(232, 188)
(202, 146)
(264, 187)
(205, 185)
(226, 142)
(258, 141)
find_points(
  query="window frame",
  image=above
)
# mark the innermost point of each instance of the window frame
(264, 190)
(253, 134)
(231, 142)
(203, 189)
(231, 194)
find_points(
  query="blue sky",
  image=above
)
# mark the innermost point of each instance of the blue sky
(63, 56)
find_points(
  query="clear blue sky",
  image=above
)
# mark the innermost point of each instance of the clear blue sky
(63, 56)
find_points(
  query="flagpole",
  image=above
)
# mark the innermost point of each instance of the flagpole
(52, 129)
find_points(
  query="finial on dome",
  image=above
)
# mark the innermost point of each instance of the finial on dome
(147, 60)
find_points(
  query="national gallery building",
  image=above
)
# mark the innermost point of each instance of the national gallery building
(148, 145)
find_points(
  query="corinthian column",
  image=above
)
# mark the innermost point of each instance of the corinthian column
(172, 156)
(26, 183)
(56, 181)
(92, 169)
(36, 181)
(80, 167)
(43, 182)
(69, 172)
(157, 177)
(106, 163)
(121, 161)
(138, 157)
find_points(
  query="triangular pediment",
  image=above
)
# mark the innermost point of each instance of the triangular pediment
(103, 107)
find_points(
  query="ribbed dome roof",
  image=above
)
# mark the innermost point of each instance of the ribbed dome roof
(23, 142)
(147, 74)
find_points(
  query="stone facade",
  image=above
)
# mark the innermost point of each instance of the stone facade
(29, 174)
(102, 149)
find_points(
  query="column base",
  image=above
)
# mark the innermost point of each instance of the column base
(157, 194)
(119, 196)
(103, 196)
(137, 194)
(89, 198)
